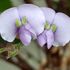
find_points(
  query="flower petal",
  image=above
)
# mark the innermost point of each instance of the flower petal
(49, 38)
(49, 14)
(35, 16)
(25, 36)
(62, 34)
(29, 28)
(42, 39)
(7, 24)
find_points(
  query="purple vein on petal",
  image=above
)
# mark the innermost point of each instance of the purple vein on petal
(41, 39)
(50, 38)
(24, 36)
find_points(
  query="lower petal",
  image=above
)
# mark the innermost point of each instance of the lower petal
(30, 29)
(25, 36)
(49, 38)
(41, 39)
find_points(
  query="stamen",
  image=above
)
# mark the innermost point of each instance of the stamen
(24, 20)
(18, 23)
(47, 26)
(53, 27)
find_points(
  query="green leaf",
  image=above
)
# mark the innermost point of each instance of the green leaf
(5, 4)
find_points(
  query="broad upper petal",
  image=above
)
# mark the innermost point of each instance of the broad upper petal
(62, 34)
(35, 16)
(49, 14)
(7, 24)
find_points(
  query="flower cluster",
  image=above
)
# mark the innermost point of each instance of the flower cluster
(32, 22)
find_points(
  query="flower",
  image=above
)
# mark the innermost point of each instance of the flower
(33, 27)
(47, 36)
(62, 34)
(29, 21)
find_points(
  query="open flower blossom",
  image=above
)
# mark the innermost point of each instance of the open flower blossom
(12, 22)
(59, 33)
(47, 36)
(29, 21)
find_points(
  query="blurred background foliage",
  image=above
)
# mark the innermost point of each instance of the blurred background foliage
(5, 4)
(15, 56)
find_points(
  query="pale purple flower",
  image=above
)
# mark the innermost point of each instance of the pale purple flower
(62, 34)
(46, 37)
(33, 27)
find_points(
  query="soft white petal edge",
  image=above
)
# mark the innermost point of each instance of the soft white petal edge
(62, 34)
(49, 14)
(7, 24)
